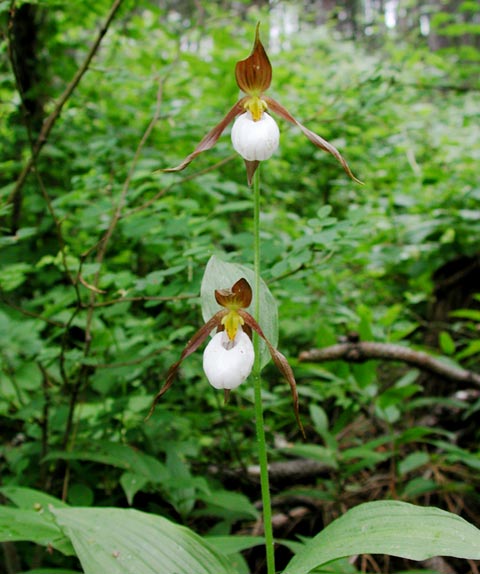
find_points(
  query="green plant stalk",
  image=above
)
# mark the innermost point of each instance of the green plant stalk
(257, 385)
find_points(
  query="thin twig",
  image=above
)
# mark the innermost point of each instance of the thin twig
(161, 193)
(44, 423)
(137, 361)
(365, 350)
(126, 186)
(12, 559)
(30, 313)
(103, 244)
(143, 298)
(58, 230)
(102, 249)
(75, 390)
(180, 181)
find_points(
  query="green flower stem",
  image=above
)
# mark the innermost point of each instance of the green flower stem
(257, 383)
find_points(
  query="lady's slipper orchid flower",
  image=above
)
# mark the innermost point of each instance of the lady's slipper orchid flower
(228, 358)
(255, 134)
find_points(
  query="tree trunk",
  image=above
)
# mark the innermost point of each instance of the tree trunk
(24, 60)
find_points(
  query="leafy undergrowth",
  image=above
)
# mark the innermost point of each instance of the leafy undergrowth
(103, 256)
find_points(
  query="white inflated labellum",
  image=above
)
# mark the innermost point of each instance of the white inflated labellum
(228, 363)
(255, 141)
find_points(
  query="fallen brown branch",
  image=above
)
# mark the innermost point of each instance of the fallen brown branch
(291, 471)
(366, 350)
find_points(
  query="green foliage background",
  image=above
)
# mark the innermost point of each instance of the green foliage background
(89, 325)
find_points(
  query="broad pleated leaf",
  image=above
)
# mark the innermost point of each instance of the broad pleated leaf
(233, 544)
(125, 541)
(30, 499)
(115, 454)
(19, 524)
(32, 521)
(390, 527)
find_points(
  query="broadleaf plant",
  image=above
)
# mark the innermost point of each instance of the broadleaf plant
(125, 541)
(390, 527)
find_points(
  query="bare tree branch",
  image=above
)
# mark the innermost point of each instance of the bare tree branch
(285, 471)
(365, 350)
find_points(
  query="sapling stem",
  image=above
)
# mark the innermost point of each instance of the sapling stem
(257, 384)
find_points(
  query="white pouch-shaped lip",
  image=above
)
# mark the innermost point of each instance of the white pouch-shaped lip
(228, 363)
(255, 141)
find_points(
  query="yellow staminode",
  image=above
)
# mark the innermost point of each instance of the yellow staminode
(232, 321)
(256, 106)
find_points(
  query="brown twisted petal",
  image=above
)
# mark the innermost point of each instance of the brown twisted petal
(280, 362)
(212, 137)
(190, 348)
(312, 136)
(239, 295)
(254, 74)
